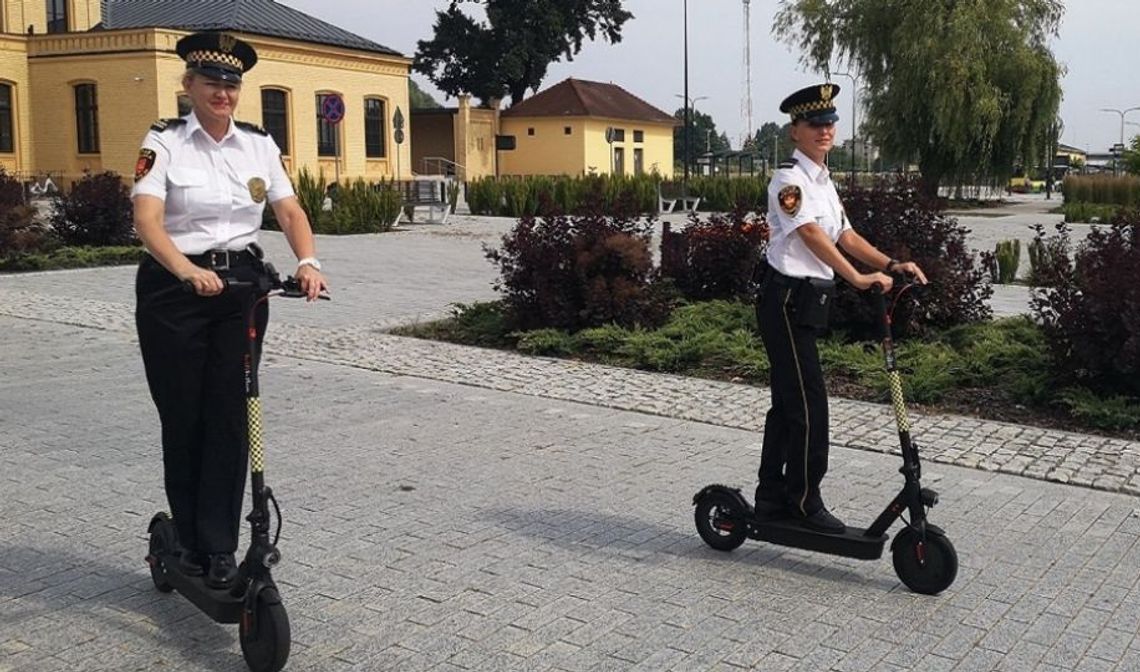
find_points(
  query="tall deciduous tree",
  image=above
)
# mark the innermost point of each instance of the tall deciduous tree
(968, 88)
(703, 136)
(510, 52)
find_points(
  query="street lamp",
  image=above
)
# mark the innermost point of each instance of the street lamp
(854, 127)
(1122, 113)
(685, 183)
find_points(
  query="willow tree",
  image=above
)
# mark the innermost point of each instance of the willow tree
(968, 88)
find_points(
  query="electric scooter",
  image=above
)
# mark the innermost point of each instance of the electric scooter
(253, 601)
(923, 556)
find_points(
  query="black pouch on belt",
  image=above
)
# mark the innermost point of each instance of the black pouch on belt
(813, 302)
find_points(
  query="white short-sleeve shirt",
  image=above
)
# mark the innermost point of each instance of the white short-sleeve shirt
(215, 191)
(801, 192)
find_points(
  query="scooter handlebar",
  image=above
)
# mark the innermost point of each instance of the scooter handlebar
(290, 287)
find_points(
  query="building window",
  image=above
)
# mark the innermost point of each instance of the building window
(6, 139)
(375, 129)
(57, 16)
(619, 135)
(638, 161)
(327, 140)
(184, 105)
(619, 160)
(275, 117)
(530, 131)
(87, 118)
(639, 136)
(567, 130)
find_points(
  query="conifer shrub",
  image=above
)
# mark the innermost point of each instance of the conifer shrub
(96, 211)
(1090, 310)
(897, 217)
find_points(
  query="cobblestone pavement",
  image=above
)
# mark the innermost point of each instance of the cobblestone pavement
(436, 526)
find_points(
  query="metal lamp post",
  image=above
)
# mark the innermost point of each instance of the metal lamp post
(1122, 113)
(854, 127)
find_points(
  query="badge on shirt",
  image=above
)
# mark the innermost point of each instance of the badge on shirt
(257, 189)
(790, 199)
(144, 164)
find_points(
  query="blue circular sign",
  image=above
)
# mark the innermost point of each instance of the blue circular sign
(332, 108)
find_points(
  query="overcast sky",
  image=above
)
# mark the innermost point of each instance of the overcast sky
(1097, 43)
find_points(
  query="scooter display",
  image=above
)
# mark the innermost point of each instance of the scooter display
(924, 559)
(253, 601)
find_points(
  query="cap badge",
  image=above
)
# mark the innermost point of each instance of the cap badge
(825, 92)
(226, 43)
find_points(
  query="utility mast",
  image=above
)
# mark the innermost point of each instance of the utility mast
(746, 98)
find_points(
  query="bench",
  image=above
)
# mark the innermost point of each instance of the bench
(430, 194)
(667, 202)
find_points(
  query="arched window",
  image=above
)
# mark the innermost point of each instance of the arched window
(275, 116)
(7, 141)
(375, 128)
(87, 118)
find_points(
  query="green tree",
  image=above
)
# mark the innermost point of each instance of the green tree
(1132, 156)
(703, 136)
(773, 143)
(511, 51)
(967, 87)
(420, 99)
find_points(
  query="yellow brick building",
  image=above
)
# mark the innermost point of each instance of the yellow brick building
(82, 80)
(563, 131)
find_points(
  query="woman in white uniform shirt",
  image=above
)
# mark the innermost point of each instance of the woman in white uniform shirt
(201, 185)
(807, 229)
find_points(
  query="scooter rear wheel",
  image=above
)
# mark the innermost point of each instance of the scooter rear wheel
(720, 522)
(925, 567)
(161, 543)
(265, 642)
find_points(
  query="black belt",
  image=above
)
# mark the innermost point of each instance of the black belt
(220, 260)
(777, 278)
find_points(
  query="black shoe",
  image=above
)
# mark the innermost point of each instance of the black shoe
(823, 521)
(223, 570)
(190, 563)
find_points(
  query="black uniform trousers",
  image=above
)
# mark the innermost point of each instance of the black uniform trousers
(793, 459)
(193, 349)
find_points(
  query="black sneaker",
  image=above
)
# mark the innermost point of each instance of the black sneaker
(223, 570)
(190, 563)
(823, 521)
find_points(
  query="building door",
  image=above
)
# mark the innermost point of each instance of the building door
(619, 160)
(638, 161)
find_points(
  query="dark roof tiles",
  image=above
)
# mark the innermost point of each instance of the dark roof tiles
(582, 98)
(255, 17)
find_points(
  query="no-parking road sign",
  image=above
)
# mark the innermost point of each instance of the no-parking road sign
(332, 108)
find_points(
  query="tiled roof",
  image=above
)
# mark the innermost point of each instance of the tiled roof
(255, 17)
(581, 98)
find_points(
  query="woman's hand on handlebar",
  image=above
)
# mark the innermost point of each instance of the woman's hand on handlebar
(865, 281)
(910, 268)
(311, 281)
(204, 281)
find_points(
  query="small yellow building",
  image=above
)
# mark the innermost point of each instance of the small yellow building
(580, 127)
(82, 80)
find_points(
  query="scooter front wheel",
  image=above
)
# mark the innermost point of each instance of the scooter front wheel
(720, 522)
(161, 543)
(265, 639)
(926, 567)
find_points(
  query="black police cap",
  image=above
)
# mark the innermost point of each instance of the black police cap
(217, 55)
(814, 104)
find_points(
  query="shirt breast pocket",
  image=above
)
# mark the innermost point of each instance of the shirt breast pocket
(189, 189)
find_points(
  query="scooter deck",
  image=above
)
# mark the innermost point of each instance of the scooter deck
(853, 543)
(219, 604)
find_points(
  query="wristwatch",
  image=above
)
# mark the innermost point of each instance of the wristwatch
(309, 261)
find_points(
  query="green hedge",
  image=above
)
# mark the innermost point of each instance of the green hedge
(1105, 189)
(72, 257)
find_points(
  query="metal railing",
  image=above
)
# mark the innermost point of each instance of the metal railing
(441, 165)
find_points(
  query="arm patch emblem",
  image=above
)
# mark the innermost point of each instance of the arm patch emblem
(144, 164)
(791, 197)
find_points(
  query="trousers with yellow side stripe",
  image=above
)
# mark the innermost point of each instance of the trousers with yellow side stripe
(793, 460)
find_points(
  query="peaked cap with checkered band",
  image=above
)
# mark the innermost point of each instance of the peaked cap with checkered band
(217, 55)
(814, 104)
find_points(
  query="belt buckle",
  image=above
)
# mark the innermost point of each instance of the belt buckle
(224, 255)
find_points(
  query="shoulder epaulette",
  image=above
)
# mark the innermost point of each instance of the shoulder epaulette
(790, 162)
(252, 128)
(166, 124)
